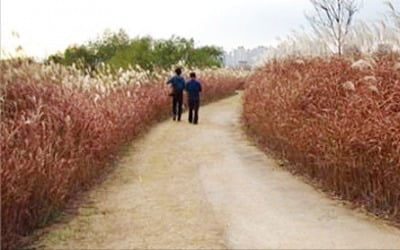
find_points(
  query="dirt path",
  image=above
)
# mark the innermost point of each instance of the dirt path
(206, 186)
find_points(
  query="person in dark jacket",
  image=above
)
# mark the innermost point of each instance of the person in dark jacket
(178, 85)
(193, 88)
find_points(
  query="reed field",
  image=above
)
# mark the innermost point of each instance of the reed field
(62, 128)
(335, 118)
(337, 121)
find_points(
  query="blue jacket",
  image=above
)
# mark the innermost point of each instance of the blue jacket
(193, 87)
(178, 84)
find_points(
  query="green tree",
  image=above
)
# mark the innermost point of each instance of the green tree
(171, 52)
(109, 44)
(117, 50)
(138, 52)
(206, 57)
(80, 56)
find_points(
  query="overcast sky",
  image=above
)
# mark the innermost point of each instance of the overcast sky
(47, 26)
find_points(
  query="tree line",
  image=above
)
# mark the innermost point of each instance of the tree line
(118, 50)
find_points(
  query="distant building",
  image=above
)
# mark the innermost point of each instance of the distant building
(242, 57)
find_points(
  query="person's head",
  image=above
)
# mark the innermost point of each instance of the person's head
(193, 75)
(178, 71)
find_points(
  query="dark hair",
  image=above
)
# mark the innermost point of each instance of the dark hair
(193, 75)
(178, 71)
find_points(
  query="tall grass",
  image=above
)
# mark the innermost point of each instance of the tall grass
(61, 128)
(337, 121)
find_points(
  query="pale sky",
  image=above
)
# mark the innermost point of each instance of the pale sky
(47, 26)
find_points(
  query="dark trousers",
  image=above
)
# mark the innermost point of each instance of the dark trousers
(177, 101)
(194, 110)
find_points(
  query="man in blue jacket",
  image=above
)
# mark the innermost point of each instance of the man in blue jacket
(193, 87)
(178, 85)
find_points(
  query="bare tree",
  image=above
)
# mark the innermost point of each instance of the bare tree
(332, 19)
(394, 13)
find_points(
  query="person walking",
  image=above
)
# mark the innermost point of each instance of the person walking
(178, 85)
(193, 88)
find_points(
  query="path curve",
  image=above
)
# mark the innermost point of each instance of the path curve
(207, 187)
